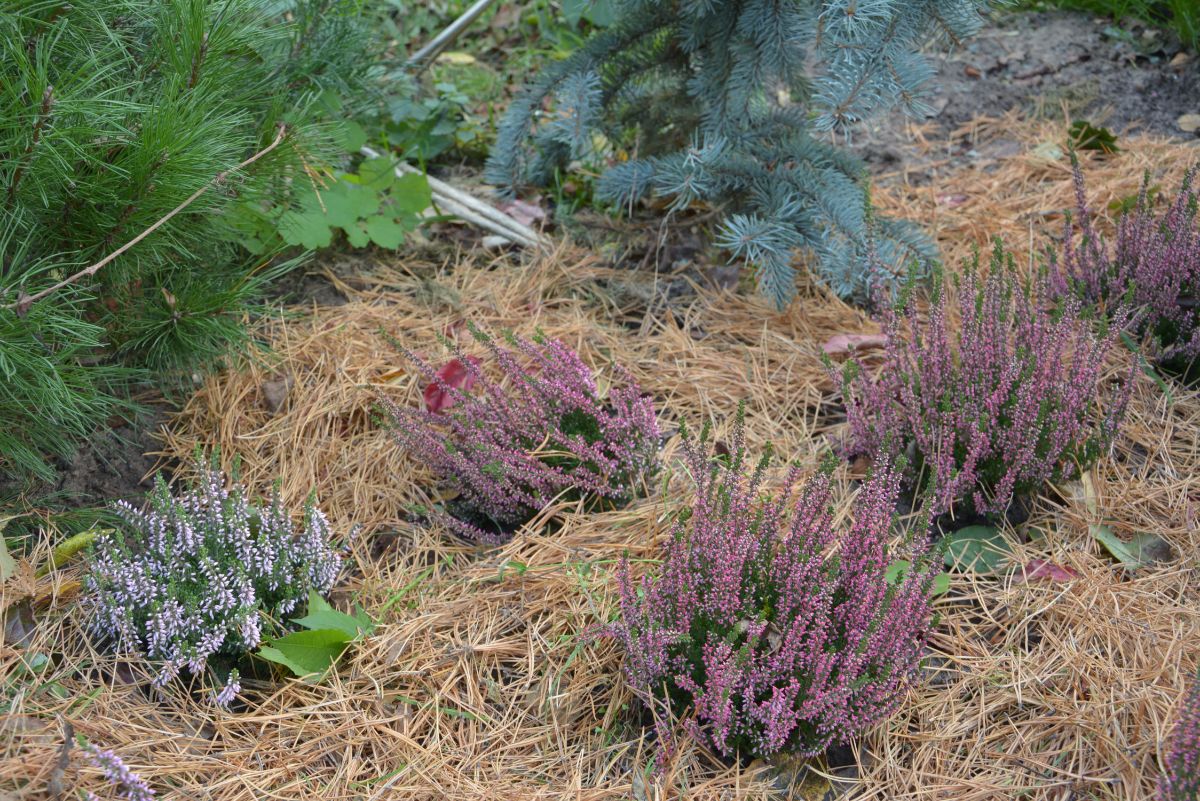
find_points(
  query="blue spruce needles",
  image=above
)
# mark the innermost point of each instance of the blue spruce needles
(723, 101)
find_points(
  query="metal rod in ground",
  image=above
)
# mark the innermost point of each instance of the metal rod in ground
(437, 44)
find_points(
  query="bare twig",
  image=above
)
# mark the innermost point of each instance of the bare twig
(23, 302)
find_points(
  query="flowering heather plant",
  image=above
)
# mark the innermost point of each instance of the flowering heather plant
(199, 575)
(780, 631)
(1181, 782)
(128, 784)
(539, 431)
(993, 408)
(1150, 277)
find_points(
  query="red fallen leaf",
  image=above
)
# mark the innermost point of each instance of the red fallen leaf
(844, 343)
(453, 374)
(1041, 570)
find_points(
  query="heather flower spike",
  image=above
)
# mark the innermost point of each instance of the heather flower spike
(128, 784)
(200, 575)
(990, 408)
(1181, 781)
(776, 628)
(535, 428)
(1149, 279)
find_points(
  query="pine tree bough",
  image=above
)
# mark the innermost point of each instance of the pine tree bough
(21, 304)
(723, 101)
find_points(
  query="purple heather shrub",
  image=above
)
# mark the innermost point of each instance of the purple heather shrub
(537, 431)
(777, 628)
(128, 784)
(990, 408)
(201, 575)
(1181, 781)
(1150, 276)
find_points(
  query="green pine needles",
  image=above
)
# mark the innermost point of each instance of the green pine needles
(723, 101)
(112, 113)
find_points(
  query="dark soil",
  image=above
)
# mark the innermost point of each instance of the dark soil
(1128, 78)
(115, 464)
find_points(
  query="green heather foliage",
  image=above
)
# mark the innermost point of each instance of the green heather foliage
(112, 112)
(732, 102)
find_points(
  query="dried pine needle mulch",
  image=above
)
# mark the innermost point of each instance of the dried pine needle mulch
(481, 681)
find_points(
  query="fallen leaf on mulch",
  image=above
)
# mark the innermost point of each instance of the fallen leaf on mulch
(453, 374)
(1043, 570)
(523, 211)
(275, 392)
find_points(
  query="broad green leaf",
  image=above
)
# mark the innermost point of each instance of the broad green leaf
(357, 235)
(896, 570)
(8, 565)
(979, 549)
(411, 194)
(346, 204)
(323, 616)
(1141, 550)
(1086, 136)
(307, 229)
(68, 548)
(377, 173)
(307, 652)
(385, 231)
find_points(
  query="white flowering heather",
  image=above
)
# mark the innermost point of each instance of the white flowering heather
(200, 574)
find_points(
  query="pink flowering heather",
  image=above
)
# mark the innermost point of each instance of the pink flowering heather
(128, 784)
(538, 431)
(201, 574)
(1181, 782)
(1150, 276)
(776, 628)
(993, 407)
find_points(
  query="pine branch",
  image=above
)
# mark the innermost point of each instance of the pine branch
(42, 118)
(24, 301)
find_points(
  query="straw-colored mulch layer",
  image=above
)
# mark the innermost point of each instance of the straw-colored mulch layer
(482, 683)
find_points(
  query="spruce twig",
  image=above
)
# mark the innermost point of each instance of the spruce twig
(22, 304)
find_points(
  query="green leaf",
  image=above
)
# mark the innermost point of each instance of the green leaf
(357, 236)
(1086, 136)
(307, 229)
(978, 549)
(1140, 551)
(411, 194)
(377, 173)
(323, 616)
(8, 565)
(346, 204)
(68, 548)
(307, 652)
(385, 231)
(896, 570)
